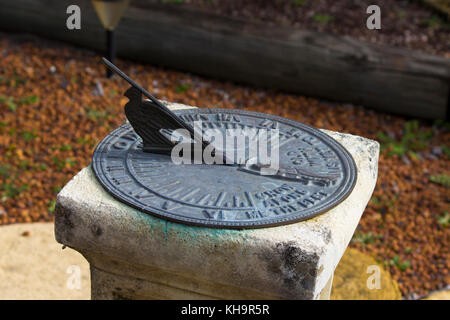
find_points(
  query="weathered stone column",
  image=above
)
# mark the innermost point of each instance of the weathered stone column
(134, 255)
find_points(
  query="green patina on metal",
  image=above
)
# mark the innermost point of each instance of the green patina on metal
(172, 230)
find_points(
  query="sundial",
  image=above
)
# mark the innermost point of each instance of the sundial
(135, 164)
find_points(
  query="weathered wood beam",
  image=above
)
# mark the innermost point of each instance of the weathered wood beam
(309, 63)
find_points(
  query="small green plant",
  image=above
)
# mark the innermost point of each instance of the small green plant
(40, 166)
(441, 179)
(375, 200)
(5, 171)
(322, 18)
(299, 3)
(95, 114)
(408, 250)
(23, 164)
(442, 124)
(7, 188)
(88, 141)
(11, 147)
(60, 164)
(12, 131)
(65, 147)
(12, 104)
(433, 22)
(70, 162)
(10, 190)
(444, 219)
(181, 88)
(401, 265)
(56, 189)
(446, 150)
(29, 100)
(51, 206)
(28, 135)
(3, 125)
(401, 14)
(404, 265)
(413, 139)
(15, 81)
(9, 101)
(365, 238)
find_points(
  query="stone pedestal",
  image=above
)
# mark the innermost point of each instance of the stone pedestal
(134, 255)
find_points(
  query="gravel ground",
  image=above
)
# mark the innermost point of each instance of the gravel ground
(404, 23)
(55, 106)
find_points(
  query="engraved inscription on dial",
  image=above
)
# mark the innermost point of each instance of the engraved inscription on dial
(221, 195)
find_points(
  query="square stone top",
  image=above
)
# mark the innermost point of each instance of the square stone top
(293, 261)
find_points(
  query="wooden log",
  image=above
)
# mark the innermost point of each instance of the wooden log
(309, 63)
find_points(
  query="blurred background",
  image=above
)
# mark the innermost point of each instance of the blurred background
(314, 61)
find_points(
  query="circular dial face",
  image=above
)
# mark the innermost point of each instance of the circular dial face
(314, 174)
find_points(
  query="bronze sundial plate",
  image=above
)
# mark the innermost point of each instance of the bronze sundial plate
(223, 196)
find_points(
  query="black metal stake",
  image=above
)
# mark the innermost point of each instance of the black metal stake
(111, 45)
